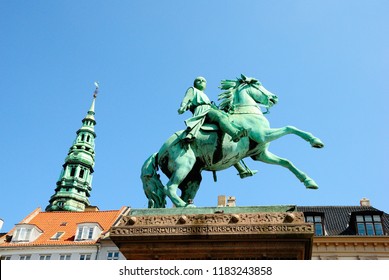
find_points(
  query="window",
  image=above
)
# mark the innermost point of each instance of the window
(85, 233)
(25, 257)
(57, 235)
(89, 231)
(72, 171)
(369, 225)
(44, 257)
(317, 220)
(26, 233)
(63, 257)
(3, 258)
(23, 234)
(113, 255)
(81, 175)
(85, 257)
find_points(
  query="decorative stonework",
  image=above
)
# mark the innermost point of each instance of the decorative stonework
(252, 233)
(208, 224)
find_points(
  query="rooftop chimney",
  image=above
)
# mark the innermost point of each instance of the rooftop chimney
(221, 201)
(231, 201)
(1, 224)
(91, 208)
(365, 202)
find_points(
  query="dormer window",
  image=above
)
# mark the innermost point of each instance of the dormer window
(369, 225)
(88, 231)
(26, 233)
(317, 220)
(23, 234)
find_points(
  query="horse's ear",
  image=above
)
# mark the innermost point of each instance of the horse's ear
(243, 77)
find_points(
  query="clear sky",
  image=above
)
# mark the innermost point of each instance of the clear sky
(328, 62)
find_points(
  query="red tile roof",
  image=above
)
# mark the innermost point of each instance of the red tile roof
(52, 222)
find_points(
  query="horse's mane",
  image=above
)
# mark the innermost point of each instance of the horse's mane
(230, 87)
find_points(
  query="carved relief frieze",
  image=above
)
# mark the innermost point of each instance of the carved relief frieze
(208, 224)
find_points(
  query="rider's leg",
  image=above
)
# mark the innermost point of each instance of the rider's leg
(244, 171)
(225, 125)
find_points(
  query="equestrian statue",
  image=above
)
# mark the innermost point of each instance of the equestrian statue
(216, 138)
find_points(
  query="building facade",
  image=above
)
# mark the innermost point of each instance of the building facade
(348, 232)
(67, 235)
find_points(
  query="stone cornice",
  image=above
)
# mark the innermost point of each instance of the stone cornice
(351, 240)
(213, 224)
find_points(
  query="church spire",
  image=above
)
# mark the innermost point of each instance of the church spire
(75, 182)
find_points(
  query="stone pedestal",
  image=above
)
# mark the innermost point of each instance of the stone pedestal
(276, 232)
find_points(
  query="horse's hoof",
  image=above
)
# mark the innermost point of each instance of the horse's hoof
(247, 173)
(310, 184)
(316, 143)
(190, 206)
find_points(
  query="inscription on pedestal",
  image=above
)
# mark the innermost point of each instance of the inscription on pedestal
(224, 234)
(257, 223)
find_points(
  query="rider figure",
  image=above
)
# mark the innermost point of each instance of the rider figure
(199, 104)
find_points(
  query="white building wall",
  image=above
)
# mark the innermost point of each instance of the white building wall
(75, 252)
(106, 247)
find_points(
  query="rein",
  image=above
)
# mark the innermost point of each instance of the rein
(235, 109)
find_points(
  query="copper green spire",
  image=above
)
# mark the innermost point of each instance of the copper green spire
(75, 182)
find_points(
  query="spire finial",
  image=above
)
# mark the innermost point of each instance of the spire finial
(96, 90)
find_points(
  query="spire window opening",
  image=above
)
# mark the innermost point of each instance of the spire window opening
(72, 171)
(81, 175)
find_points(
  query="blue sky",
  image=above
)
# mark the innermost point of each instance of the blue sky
(327, 61)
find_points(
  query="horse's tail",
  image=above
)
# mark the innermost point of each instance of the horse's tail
(152, 185)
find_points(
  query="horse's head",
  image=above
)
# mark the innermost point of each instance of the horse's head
(245, 91)
(258, 92)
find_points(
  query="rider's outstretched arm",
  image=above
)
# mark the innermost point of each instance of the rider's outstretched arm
(187, 101)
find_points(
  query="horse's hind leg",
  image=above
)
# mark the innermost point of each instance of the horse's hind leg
(271, 158)
(275, 133)
(190, 185)
(184, 165)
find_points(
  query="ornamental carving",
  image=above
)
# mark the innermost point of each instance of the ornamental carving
(208, 224)
(244, 218)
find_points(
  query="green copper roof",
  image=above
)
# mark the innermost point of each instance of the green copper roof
(75, 182)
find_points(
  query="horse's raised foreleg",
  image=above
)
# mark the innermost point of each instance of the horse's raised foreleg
(271, 158)
(274, 133)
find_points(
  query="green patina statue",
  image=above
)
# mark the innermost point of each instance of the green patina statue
(199, 104)
(216, 139)
(196, 101)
